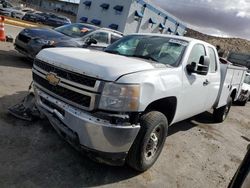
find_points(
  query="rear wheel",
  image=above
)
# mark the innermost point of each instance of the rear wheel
(149, 141)
(221, 113)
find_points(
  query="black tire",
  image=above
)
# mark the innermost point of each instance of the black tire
(154, 124)
(221, 113)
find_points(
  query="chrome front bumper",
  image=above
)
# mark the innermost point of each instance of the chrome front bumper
(92, 132)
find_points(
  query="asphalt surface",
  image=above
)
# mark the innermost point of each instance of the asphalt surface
(197, 152)
(12, 30)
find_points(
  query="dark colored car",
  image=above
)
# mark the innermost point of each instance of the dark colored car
(30, 41)
(56, 20)
(34, 17)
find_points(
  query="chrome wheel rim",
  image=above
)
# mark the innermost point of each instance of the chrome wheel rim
(153, 143)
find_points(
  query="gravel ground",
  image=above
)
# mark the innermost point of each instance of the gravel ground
(197, 153)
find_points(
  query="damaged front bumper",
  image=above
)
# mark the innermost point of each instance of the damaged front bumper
(108, 142)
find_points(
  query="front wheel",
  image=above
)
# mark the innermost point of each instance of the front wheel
(149, 141)
(221, 113)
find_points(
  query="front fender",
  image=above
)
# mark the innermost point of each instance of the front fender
(155, 84)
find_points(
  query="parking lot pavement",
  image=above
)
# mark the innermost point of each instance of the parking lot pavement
(12, 30)
(197, 153)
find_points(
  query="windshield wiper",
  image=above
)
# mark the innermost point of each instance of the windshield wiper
(147, 57)
(112, 52)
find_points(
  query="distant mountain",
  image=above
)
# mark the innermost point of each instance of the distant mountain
(227, 44)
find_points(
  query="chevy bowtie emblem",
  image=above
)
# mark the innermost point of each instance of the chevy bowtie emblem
(52, 78)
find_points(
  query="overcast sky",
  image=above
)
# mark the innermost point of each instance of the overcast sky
(215, 17)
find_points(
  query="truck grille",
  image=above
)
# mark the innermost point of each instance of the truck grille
(24, 38)
(75, 97)
(74, 77)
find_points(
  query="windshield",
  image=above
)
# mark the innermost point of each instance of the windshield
(75, 30)
(247, 79)
(155, 48)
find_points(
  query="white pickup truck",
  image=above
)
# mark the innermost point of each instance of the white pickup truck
(117, 105)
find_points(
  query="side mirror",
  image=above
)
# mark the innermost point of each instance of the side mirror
(90, 41)
(201, 68)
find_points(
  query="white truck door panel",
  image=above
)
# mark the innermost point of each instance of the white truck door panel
(193, 95)
(213, 78)
(212, 90)
(194, 90)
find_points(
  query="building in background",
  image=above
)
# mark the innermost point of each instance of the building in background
(129, 16)
(63, 6)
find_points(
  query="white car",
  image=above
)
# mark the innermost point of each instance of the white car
(245, 91)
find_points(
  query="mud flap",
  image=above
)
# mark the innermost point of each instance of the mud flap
(26, 109)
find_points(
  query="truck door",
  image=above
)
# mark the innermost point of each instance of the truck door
(194, 93)
(213, 79)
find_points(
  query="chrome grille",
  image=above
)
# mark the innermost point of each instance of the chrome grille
(24, 38)
(73, 88)
(70, 95)
(71, 76)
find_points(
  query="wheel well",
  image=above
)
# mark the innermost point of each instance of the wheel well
(167, 106)
(233, 94)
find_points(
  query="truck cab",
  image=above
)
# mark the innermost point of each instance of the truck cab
(118, 104)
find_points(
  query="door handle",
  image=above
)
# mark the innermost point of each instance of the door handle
(206, 82)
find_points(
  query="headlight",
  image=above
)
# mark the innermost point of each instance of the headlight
(120, 97)
(43, 41)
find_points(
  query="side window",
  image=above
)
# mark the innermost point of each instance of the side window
(197, 51)
(101, 37)
(213, 62)
(114, 38)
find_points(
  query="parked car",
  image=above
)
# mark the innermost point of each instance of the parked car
(56, 20)
(36, 17)
(20, 13)
(245, 91)
(30, 41)
(17, 14)
(6, 8)
(118, 104)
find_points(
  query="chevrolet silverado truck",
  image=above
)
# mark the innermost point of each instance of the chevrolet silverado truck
(117, 105)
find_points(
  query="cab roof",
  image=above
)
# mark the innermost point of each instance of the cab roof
(188, 39)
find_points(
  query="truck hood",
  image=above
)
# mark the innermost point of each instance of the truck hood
(94, 63)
